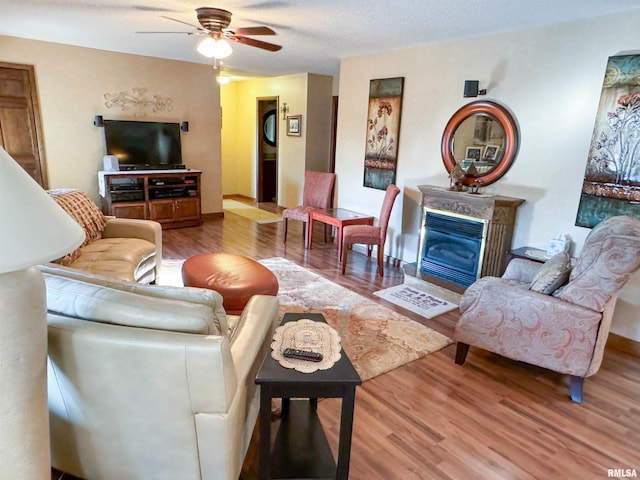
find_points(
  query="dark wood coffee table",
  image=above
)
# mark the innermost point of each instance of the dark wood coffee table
(301, 449)
(339, 218)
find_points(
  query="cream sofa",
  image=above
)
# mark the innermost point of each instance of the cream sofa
(149, 382)
(120, 248)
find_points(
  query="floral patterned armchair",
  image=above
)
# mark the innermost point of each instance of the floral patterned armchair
(566, 330)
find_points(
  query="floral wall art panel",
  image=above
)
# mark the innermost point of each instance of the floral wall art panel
(383, 129)
(612, 177)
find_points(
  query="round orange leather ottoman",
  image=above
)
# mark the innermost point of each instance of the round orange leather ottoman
(235, 277)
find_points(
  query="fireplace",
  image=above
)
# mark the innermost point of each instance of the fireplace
(463, 236)
(452, 246)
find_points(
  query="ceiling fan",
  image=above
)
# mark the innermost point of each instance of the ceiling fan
(214, 25)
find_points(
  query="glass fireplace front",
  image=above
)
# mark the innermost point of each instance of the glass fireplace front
(452, 246)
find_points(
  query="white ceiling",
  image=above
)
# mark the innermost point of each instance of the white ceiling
(314, 34)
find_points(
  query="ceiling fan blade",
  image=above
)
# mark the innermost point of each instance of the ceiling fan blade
(254, 43)
(252, 31)
(146, 8)
(183, 33)
(180, 21)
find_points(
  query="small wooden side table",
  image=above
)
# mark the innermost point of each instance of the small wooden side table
(531, 253)
(301, 449)
(528, 253)
(339, 218)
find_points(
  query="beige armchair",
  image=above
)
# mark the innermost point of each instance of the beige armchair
(565, 331)
(149, 382)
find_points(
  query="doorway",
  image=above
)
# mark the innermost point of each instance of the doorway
(267, 154)
(20, 133)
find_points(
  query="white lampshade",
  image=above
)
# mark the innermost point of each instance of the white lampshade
(214, 48)
(35, 229)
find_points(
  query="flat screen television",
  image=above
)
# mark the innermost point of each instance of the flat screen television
(139, 145)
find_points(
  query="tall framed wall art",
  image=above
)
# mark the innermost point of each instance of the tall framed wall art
(612, 176)
(383, 130)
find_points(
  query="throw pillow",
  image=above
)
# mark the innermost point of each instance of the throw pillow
(82, 209)
(553, 274)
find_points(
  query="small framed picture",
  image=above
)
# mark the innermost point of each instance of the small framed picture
(474, 153)
(294, 125)
(490, 153)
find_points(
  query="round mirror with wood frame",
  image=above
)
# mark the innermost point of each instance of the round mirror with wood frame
(481, 137)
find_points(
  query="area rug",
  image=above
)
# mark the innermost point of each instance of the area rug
(250, 212)
(375, 338)
(419, 298)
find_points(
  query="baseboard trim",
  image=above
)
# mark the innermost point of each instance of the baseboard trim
(238, 196)
(212, 216)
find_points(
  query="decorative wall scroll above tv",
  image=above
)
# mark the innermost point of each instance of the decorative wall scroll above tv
(611, 183)
(139, 101)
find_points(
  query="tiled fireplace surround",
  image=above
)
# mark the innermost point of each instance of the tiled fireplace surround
(474, 210)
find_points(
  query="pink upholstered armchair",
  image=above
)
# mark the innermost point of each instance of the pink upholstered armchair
(565, 331)
(371, 235)
(317, 193)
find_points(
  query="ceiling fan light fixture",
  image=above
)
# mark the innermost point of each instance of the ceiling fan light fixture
(214, 48)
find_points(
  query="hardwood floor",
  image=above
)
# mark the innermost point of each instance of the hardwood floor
(492, 418)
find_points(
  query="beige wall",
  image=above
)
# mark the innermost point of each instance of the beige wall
(71, 84)
(550, 78)
(232, 170)
(318, 122)
(305, 94)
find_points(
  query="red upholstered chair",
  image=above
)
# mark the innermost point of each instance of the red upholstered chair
(317, 193)
(368, 234)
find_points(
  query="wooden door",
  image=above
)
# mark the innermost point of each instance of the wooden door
(334, 132)
(267, 149)
(20, 119)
